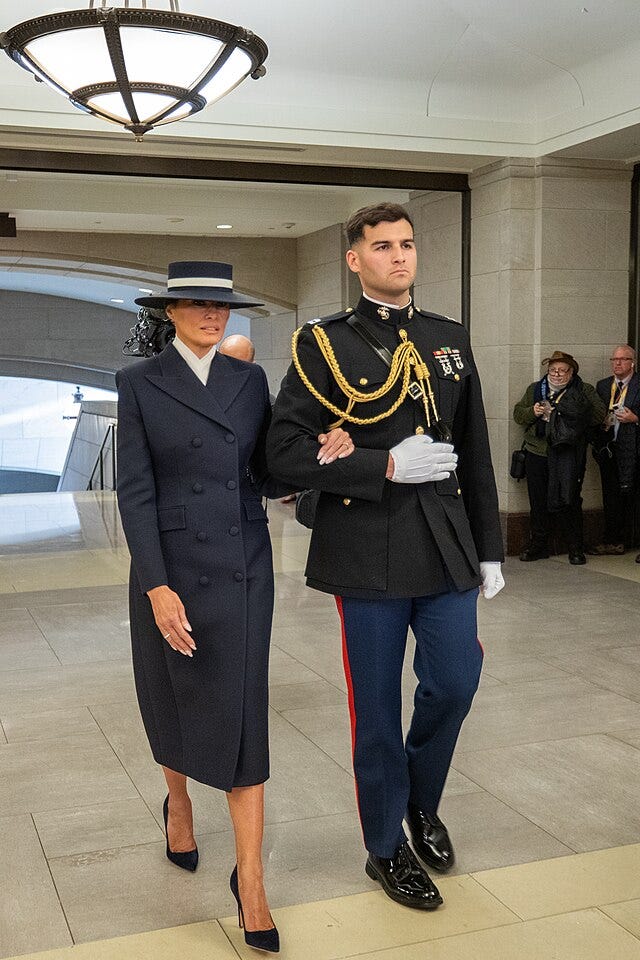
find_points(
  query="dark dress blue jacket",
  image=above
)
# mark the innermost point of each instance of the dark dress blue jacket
(191, 471)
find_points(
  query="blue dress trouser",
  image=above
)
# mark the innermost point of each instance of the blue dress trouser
(389, 772)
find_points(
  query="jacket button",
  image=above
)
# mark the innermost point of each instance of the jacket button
(456, 376)
(238, 577)
(201, 536)
(419, 430)
(197, 488)
(459, 491)
(196, 442)
(204, 581)
(363, 381)
(231, 484)
(229, 437)
(347, 501)
(234, 531)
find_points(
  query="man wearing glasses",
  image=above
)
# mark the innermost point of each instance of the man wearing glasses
(615, 449)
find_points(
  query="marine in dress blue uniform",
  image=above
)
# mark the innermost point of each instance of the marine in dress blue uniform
(396, 555)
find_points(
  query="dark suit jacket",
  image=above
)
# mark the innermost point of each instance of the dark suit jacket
(626, 445)
(373, 538)
(194, 520)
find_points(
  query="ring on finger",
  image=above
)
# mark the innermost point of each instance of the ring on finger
(165, 636)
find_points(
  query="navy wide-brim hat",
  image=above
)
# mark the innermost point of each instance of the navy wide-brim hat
(199, 280)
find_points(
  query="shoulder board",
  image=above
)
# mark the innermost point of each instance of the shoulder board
(436, 316)
(342, 315)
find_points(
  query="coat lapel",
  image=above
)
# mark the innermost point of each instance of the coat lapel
(176, 379)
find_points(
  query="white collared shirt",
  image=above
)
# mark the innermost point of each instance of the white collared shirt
(199, 365)
(381, 303)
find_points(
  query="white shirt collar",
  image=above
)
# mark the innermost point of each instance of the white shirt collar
(199, 365)
(381, 303)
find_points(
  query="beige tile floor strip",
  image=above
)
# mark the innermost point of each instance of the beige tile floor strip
(566, 884)
(472, 926)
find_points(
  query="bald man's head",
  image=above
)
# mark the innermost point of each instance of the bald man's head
(238, 346)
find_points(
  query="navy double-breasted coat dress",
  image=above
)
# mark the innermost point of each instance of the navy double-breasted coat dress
(191, 470)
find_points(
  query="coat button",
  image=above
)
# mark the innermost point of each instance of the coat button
(234, 531)
(229, 437)
(201, 536)
(231, 484)
(363, 381)
(197, 488)
(419, 430)
(456, 376)
(347, 501)
(459, 491)
(196, 442)
(204, 581)
(238, 577)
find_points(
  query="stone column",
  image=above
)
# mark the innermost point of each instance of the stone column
(549, 265)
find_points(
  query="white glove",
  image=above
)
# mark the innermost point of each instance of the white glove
(492, 579)
(417, 459)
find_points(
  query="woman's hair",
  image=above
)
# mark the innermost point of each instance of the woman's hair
(151, 334)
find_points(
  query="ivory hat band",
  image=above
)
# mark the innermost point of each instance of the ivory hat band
(199, 280)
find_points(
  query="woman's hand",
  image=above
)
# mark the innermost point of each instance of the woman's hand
(539, 409)
(171, 619)
(334, 445)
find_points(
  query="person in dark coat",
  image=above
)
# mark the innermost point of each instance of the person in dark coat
(557, 412)
(191, 470)
(400, 537)
(615, 447)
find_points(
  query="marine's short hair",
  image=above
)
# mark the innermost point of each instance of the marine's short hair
(371, 216)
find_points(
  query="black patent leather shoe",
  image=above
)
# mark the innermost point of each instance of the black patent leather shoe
(577, 558)
(404, 879)
(534, 553)
(187, 860)
(430, 839)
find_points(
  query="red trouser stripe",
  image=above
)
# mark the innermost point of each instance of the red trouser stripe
(352, 709)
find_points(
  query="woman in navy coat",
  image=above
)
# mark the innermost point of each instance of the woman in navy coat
(191, 472)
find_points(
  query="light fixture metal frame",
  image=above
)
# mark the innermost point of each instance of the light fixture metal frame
(14, 41)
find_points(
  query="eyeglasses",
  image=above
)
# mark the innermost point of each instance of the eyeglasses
(621, 359)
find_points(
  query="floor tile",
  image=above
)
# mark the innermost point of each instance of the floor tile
(616, 668)
(487, 833)
(130, 889)
(48, 724)
(355, 925)
(66, 686)
(43, 775)
(291, 696)
(329, 728)
(549, 782)
(516, 671)
(100, 826)
(627, 914)
(541, 710)
(569, 883)
(587, 935)
(82, 632)
(28, 892)
(195, 941)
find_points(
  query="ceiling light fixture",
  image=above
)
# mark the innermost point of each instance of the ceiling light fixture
(224, 226)
(136, 67)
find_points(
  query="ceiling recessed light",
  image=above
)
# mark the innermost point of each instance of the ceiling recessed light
(144, 290)
(175, 219)
(224, 226)
(115, 300)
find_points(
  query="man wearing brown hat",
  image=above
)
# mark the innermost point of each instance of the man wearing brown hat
(556, 412)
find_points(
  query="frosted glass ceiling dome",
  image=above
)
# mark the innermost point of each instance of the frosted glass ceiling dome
(136, 67)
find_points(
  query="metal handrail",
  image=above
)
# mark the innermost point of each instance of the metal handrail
(111, 433)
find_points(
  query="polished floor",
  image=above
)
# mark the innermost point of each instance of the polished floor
(543, 800)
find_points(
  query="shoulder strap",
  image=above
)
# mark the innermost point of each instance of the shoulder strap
(370, 339)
